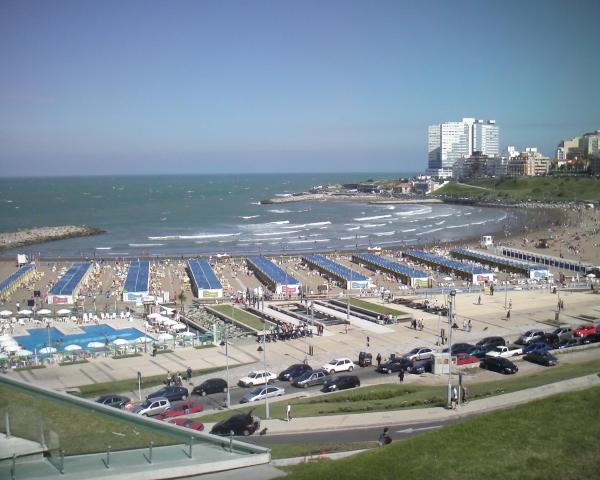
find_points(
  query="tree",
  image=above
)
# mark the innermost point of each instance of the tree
(182, 298)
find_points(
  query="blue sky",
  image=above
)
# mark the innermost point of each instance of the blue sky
(200, 86)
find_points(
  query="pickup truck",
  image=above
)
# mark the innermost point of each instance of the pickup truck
(505, 351)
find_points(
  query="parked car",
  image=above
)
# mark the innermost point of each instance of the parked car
(505, 351)
(499, 364)
(212, 385)
(479, 352)
(490, 342)
(591, 338)
(569, 343)
(460, 348)
(260, 393)
(394, 365)
(116, 401)
(530, 336)
(541, 358)
(188, 423)
(171, 393)
(420, 366)
(551, 339)
(308, 379)
(294, 371)
(342, 382)
(420, 353)
(584, 330)
(465, 359)
(182, 408)
(536, 347)
(152, 406)
(339, 365)
(563, 333)
(240, 424)
(257, 378)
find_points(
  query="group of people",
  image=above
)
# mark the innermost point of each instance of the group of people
(176, 379)
(286, 331)
(417, 324)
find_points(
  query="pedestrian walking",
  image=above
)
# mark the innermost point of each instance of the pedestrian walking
(401, 375)
(479, 300)
(384, 438)
(469, 325)
(465, 394)
(464, 325)
(188, 374)
(508, 315)
(368, 341)
(454, 398)
(510, 304)
(421, 325)
(288, 412)
(378, 358)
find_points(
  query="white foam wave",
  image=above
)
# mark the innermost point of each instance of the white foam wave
(429, 231)
(248, 217)
(310, 241)
(353, 228)
(385, 234)
(409, 230)
(376, 217)
(282, 222)
(194, 237)
(279, 210)
(103, 248)
(146, 244)
(458, 226)
(374, 225)
(268, 234)
(317, 224)
(440, 223)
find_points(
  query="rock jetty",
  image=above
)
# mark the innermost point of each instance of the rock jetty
(45, 234)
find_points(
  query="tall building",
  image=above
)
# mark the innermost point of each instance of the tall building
(579, 148)
(449, 141)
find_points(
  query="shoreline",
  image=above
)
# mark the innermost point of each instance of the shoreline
(39, 235)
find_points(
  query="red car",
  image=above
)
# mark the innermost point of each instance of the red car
(188, 422)
(584, 330)
(179, 409)
(466, 359)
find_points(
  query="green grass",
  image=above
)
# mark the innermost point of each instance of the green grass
(549, 438)
(73, 362)
(30, 367)
(290, 450)
(374, 307)
(73, 428)
(240, 316)
(127, 355)
(561, 188)
(378, 398)
(208, 345)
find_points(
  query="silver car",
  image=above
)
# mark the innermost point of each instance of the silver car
(260, 393)
(308, 379)
(154, 406)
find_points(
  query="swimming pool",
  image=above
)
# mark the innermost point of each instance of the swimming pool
(38, 337)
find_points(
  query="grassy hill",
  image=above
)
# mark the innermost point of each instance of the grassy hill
(563, 188)
(552, 438)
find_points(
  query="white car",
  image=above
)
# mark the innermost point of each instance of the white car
(421, 353)
(339, 365)
(505, 351)
(260, 393)
(257, 378)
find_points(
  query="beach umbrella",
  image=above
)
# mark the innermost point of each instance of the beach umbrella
(144, 340)
(72, 348)
(120, 341)
(169, 323)
(63, 311)
(163, 337)
(591, 275)
(44, 311)
(5, 313)
(187, 335)
(47, 350)
(12, 347)
(95, 345)
(154, 315)
(179, 327)
(24, 353)
(25, 312)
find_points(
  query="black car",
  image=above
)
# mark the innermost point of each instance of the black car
(563, 333)
(461, 348)
(541, 358)
(420, 366)
(241, 424)
(342, 382)
(568, 343)
(212, 385)
(116, 401)
(394, 365)
(499, 364)
(294, 371)
(170, 393)
(489, 343)
(551, 339)
(591, 338)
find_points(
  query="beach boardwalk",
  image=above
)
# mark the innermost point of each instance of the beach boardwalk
(137, 284)
(66, 288)
(204, 282)
(348, 278)
(576, 266)
(470, 272)
(407, 275)
(273, 276)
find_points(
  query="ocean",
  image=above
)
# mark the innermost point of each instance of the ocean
(192, 215)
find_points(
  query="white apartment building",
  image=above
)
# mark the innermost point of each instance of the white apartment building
(449, 141)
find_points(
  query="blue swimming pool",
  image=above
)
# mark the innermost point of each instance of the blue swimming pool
(38, 337)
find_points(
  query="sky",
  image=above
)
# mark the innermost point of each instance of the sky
(109, 87)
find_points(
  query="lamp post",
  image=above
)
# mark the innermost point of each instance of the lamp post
(265, 368)
(228, 400)
(450, 322)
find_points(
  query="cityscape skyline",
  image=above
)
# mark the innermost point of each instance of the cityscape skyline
(106, 88)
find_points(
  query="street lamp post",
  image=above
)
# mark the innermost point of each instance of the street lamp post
(450, 322)
(265, 368)
(228, 401)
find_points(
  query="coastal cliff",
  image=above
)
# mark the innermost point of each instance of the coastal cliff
(45, 234)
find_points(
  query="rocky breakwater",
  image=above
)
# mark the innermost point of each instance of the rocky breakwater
(32, 236)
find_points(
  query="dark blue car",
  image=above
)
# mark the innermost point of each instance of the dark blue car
(171, 393)
(537, 347)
